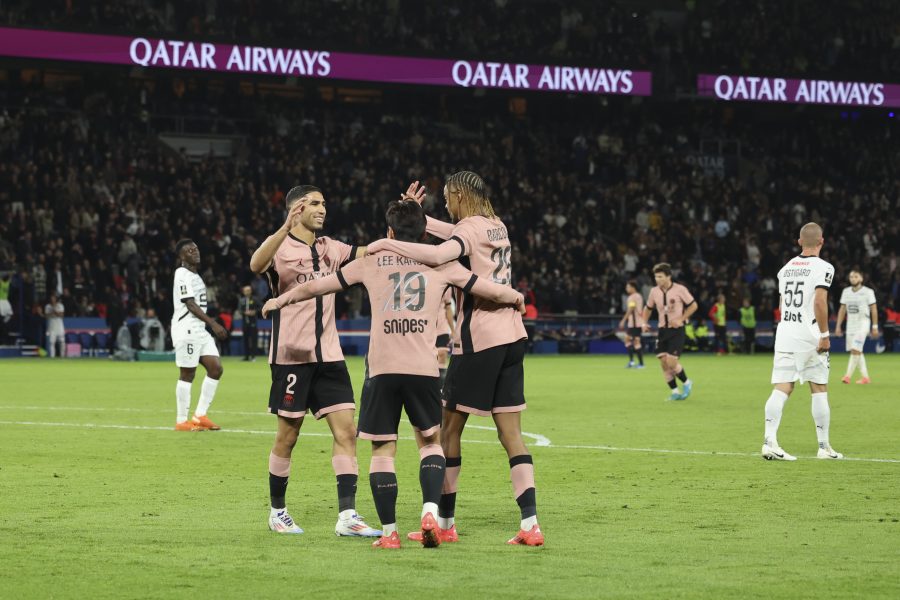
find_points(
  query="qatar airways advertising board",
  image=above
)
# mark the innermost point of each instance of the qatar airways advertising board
(749, 88)
(303, 62)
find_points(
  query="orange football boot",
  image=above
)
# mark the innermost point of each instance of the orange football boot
(205, 423)
(532, 537)
(389, 542)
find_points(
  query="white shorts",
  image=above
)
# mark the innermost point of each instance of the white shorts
(856, 341)
(189, 350)
(803, 366)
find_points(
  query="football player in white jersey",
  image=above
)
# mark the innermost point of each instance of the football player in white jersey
(858, 305)
(192, 342)
(802, 342)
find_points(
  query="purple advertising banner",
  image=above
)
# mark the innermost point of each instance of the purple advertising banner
(293, 62)
(798, 91)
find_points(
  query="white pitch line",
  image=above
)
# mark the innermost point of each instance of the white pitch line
(539, 440)
(157, 428)
(556, 446)
(127, 409)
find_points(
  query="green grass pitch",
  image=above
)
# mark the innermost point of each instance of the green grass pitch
(638, 497)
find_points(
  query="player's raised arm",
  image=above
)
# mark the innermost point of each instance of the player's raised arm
(262, 258)
(472, 284)
(337, 281)
(310, 289)
(424, 253)
(438, 229)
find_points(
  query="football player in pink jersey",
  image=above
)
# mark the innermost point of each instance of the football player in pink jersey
(674, 305)
(406, 298)
(308, 369)
(486, 375)
(632, 321)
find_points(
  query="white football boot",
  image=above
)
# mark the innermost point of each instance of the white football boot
(281, 522)
(775, 453)
(828, 453)
(354, 527)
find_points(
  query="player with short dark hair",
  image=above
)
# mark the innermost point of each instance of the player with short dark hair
(486, 375)
(632, 321)
(308, 369)
(858, 305)
(402, 371)
(674, 306)
(192, 343)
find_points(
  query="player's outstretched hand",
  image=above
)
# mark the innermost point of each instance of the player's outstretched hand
(414, 192)
(645, 328)
(824, 345)
(219, 331)
(838, 332)
(375, 247)
(270, 305)
(293, 218)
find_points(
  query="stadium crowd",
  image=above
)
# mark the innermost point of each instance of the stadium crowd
(91, 205)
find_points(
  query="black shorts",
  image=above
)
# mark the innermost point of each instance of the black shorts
(443, 341)
(486, 382)
(383, 398)
(670, 341)
(634, 332)
(319, 388)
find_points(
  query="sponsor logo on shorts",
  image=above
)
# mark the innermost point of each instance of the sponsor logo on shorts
(288, 399)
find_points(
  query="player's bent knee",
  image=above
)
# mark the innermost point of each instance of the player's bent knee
(434, 438)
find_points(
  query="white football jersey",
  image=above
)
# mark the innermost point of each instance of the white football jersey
(797, 284)
(858, 313)
(187, 285)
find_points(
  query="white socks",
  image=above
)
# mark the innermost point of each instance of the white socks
(862, 366)
(182, 400)
(388, 528)
(822, 416)
(446, 522)
(774, 408)
(851, 366)
(207, 392)
(528, 523)
(430, 507)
